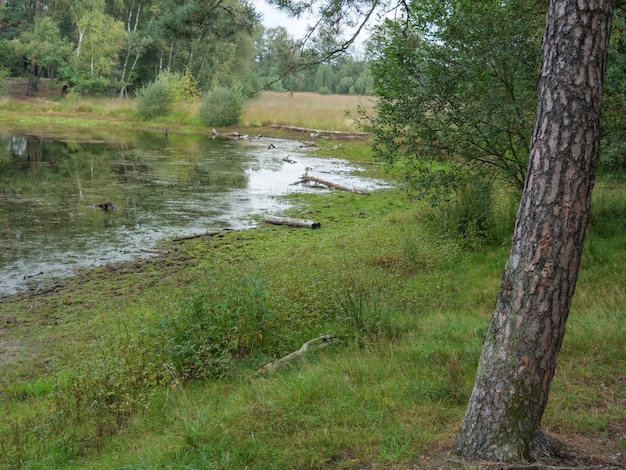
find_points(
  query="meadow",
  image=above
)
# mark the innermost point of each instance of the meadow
(158, 364)
(310, 110)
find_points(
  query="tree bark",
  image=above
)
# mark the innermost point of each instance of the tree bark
(503, 419)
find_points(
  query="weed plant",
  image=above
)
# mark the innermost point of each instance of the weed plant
(216, 328)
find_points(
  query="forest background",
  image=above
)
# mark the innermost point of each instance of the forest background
(96, 47)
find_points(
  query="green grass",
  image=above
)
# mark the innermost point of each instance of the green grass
(309, 110)
(153, 364)
(408, 306)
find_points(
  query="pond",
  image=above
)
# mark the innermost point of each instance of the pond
(162, 186)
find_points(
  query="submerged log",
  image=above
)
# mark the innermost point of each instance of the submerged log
(270, 219)
(199, 235)
(105, 206)
(332, 185)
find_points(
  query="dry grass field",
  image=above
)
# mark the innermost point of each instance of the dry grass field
(311, 110)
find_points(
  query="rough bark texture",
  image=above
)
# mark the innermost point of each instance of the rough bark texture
(503, 419)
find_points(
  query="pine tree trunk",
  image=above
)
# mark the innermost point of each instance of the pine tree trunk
(503, 419)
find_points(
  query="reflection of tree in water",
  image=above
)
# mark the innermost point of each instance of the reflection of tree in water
(27, 149)
(222, 164)
(17, 146)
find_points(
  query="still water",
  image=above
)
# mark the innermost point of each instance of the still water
(161, 187)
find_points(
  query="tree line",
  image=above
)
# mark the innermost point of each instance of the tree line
(115, 47)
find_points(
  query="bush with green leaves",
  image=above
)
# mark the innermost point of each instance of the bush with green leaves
(458, 89)
(155, 99)
(475, 214)
(158, 98)
(5, 84)
(221, 107)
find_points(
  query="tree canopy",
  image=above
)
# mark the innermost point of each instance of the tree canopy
(457, 82)
(120, 46)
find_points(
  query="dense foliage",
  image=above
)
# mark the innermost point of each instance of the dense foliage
(221, 107)
(457, 82)
(614, 118)
(105, 47)
(161, 96)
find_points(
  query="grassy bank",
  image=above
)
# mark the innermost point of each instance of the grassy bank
(154, 364)
(48, 109)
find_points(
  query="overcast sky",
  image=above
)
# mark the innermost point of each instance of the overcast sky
(273, 18)
(295, 27)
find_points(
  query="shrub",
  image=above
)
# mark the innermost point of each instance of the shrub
(368, 317)
(159, 97)
(5, 84)
(155, 99)
(221, 107)
(467, 216)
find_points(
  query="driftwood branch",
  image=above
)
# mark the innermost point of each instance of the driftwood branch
(156, 252)
(315, 133)
(271, 219)
(196, 235)
(331, 185)
(321, 342)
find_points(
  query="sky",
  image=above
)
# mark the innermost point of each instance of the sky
(273, 18)
(295, 27)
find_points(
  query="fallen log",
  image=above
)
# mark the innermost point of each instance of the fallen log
(322, 341)
(197, 235)
(315, 133)
(271, 219)
(332, 185)
(156, 252)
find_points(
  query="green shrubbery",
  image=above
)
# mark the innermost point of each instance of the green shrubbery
(221, 107)
(368, 317)
(477, 213)
(158, 99)
(5, 84)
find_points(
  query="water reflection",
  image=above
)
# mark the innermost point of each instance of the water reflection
(162, 188)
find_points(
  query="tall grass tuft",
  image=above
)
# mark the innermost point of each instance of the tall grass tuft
(217, 327)
(477, 215)
(608, 211)
(370, 317)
